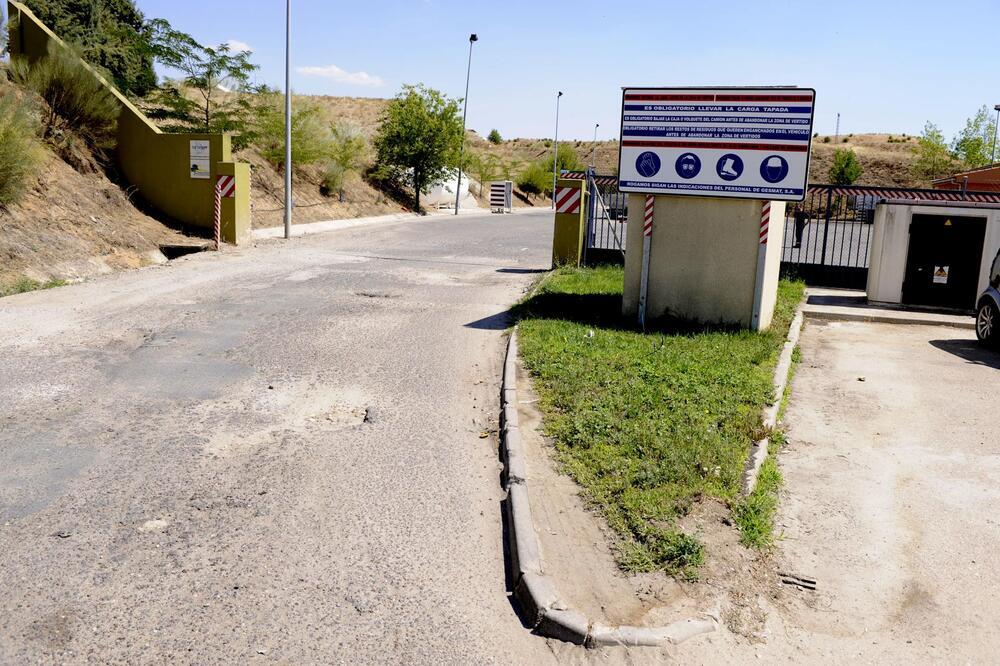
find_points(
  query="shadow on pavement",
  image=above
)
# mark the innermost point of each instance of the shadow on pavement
(970, 351)
(523, 271)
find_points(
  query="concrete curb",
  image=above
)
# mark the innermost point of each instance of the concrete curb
(889, 318)
(541, 604)
(758, 454)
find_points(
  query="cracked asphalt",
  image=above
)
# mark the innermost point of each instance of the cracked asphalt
(273, 454)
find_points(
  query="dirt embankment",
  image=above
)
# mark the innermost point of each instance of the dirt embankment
(73, 225)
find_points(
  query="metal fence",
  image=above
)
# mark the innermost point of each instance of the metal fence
(828, 236)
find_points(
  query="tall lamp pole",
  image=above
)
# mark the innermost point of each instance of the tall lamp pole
(593, 153)
(288, 119)
(555, 155)
(465, 112)
(993, 160)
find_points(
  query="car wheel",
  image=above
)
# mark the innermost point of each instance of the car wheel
(987, 323)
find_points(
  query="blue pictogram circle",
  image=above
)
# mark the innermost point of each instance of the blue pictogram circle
(648, 164)
(688, 165)
(774, 169)
(729, 167)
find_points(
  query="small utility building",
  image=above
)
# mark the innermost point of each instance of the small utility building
(932, 253)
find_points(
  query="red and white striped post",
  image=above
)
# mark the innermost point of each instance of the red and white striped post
(225, 188)
(647, 238)
(758, 292)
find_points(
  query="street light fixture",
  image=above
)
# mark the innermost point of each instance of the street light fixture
(993, 159)
(288, 119)
(555, 155)
(465, 111)
(593, 152)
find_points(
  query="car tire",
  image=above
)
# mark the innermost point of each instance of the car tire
(988, 324)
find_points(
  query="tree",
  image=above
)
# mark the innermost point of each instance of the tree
(219, 77)
(568, 159)
(974, 144)
(494, 137)
(419, 138)
(348, 148)
(845, 169)
(484, 167)
(111, 34)
(535, 179)
(311, 134)
(932, 157)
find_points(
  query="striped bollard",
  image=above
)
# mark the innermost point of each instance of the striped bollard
(647, 238)
(225, 188)
(758, 293)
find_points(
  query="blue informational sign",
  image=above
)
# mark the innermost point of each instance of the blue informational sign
(757, 139)
(688, 166)
(648, 164)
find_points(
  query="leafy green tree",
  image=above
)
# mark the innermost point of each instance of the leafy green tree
(311, 134)
(568, 160)
(974, 143)
(484, 167)
(419, 138)
(218, 77)
(494, 137)
(932, 157)
(845, 169)
(348, 152)
(111, 34)
(535, 179)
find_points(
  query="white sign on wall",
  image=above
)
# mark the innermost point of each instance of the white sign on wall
(201, 159)
(747, 143)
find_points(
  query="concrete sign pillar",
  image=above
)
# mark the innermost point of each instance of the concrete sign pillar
(708, 260)
(570, 223)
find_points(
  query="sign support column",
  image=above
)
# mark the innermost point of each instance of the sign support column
(758, 290)
(647, 238)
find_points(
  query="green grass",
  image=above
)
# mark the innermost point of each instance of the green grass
(647, 423)
(26, 284)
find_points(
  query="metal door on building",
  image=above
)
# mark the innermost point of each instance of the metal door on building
(944, 261)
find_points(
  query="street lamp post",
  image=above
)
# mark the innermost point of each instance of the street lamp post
(993, 159)
(288, 119)
(555, 155)
(465, 112)
(593, 152)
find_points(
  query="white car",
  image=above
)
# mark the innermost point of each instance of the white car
(988, 309)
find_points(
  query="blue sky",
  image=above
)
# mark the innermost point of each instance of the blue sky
(886, 66)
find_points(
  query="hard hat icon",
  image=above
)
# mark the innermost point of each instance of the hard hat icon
(774, 169)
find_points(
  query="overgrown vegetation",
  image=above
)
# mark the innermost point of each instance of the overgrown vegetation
(933, 160)
(77, 104)
(26, 284)
(647, 423)
(419, 139)
(494, 137)
(20, 149)
(537, 176)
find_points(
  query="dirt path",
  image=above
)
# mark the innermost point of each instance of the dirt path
(890, 502)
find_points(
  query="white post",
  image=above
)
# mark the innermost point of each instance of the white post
(758, 291)
(647, 237)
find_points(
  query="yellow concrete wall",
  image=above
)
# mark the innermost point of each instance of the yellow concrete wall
(703, 259)
(154, 162)
(569, 229)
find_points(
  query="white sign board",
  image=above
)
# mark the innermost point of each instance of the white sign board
(201, 159)
(747, 143)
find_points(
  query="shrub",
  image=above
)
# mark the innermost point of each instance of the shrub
(78, 102)
(494, 137)
(20, 150)
(845, 169)
(348, 151)
(826, 139)
(535, 179)
(311, 134)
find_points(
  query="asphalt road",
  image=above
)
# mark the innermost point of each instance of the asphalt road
(274, 454)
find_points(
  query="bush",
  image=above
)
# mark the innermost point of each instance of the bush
(348, 151)
(311, 134)
(826, 139)
(78, 102)
(845, 169)
(535, 179)
(494, 137)
(20, 150)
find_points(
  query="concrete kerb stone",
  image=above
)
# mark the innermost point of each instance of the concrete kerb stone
(759, 451)
(541, 604)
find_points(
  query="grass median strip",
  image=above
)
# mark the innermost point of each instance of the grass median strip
(647, 423)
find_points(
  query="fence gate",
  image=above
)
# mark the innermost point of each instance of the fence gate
(607, 215)
(827, 236)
